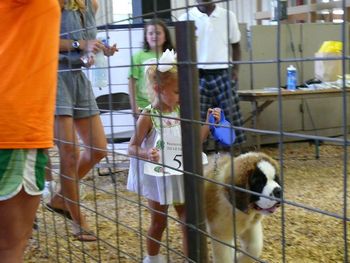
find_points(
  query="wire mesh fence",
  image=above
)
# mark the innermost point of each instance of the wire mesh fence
(232, 210)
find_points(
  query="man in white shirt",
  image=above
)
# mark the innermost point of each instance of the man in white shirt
(218, 37)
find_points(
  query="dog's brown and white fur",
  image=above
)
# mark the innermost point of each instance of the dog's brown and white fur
(255, 172)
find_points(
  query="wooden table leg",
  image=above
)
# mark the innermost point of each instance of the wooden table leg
(255, 123)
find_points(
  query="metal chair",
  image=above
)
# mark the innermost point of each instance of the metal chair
(118, 122)
(114, 101)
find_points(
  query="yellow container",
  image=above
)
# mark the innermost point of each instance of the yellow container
(331, 47)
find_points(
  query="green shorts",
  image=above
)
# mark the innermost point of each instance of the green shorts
(22, 168)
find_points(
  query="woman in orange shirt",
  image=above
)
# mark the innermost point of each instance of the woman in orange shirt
(28, 86)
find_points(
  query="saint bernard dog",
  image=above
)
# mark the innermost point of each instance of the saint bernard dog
(254, 172)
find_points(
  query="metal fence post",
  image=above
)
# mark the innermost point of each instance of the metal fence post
(191, 142)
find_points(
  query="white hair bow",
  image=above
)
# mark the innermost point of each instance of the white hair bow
(167, 60)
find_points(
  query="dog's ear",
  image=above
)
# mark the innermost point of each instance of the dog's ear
(241, 200)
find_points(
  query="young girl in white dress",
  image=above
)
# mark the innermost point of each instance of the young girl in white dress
(156, 171)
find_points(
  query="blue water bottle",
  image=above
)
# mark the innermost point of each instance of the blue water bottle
(291, 78)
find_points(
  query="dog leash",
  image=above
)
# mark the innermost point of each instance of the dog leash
(216, 158)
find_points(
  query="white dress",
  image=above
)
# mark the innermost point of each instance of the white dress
(157, 181)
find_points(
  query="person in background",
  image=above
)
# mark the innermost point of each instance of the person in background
(28, 87)
(77, 115)
(156, 40)
(218, 35)
(159, 125)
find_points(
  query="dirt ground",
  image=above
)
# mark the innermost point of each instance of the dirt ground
(309, 227)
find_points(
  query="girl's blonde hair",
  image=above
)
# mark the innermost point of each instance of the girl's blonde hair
(75, 5)
(155, 77)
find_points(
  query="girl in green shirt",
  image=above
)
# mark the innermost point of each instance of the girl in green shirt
(156, 41)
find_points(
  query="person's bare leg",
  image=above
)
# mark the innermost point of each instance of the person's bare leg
(91, 131)
(17, 216)
(74, 165)
(157, 227)
(69, 158)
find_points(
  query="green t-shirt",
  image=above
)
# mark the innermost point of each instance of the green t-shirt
(138, 73)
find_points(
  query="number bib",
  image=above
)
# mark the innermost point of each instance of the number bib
(170, 150)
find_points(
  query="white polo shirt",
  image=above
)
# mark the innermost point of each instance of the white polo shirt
(215, 34)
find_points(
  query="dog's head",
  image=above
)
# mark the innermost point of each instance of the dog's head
(257, 172)
(264, 180)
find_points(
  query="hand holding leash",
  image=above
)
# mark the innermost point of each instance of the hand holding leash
(216, 112)
(221, 130)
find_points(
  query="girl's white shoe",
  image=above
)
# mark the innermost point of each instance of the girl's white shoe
(155, 259)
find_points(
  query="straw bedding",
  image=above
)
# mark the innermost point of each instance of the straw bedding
(306, 235)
